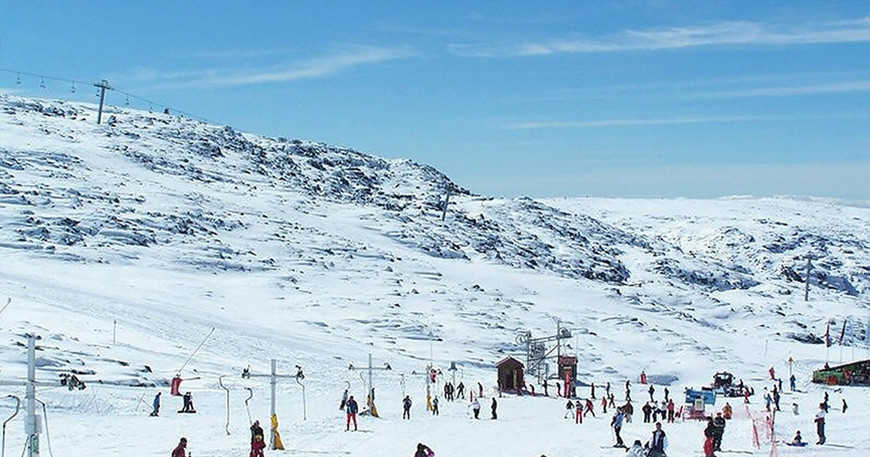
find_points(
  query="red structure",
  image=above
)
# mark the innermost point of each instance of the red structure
(510, 374)
(568, 372)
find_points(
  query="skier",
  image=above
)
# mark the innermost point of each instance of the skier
(179, 450)
(406, 406)
(423, 451)
(652, 390)
(592, 393)
(629, 410)
(772, 373)
(719, 423)
(658, 444)
(636, 450)
(820, 423)
(616, 423)
(604, 405)
(558, 389)
(343, 400)
(435, 406)
(611, 401)
(667, 393)
(494, 406)
(188, 403)
(479, 389)
(607, 389)
(578, 412)
(767, 401)
(460, 390)
(569, 408)
(590, 408)
(776, 398)
(642, 377)
(546, 394)
(351, 409)
(845, 406)
(647, 412)
(709, 433)
(475, 407)
(156, 405)
(256, 431)
(792, 380)
(672, 407)
(257, 446)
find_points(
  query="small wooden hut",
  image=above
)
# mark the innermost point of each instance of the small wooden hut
(510, 374)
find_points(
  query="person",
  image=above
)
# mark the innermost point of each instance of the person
(604, 405)
(652, 390)
(772, 373)
(545, 388)
(792, 381)
(423, 451)
(479, 389)
(607, 389)
(578, 412)
(435, 406)
(647, 413)
(642, 377)
(611, 400)
(820, 423)
(727, 411)
(256, 431)
(475, 407)
(672, 407)
(460, 390)
(188, 403)
(569, 409)
(845, 406)
(343, 400)
(592, 393)
(616, 423)
(636, 450)
(767, 401)
(667, 393)
(629, 410)
(156, 405)
(719, 423)
(257, 446)
(351, 409)
(776, 398)
(406, 406)
(590, 408)
(179, 450)
(798, 440)
(658, 444)
(494, 407)
(709, 433)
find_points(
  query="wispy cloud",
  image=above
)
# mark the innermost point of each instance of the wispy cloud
(637, 122)
(306, 69)
(787, 91)
(654, 39)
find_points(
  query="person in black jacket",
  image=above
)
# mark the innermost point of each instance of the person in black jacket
(256, 430)
(494, 407)
(423, 451)
(709, 432)
(406, 406)
(352, 409)
(719, 423)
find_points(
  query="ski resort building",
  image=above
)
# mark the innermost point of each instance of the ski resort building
(850, 374)
(510, 374)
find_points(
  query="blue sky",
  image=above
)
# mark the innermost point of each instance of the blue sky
(651, 98)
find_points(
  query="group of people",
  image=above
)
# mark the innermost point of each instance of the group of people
(652, 410)
(186, 405)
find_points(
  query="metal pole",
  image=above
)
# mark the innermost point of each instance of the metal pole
(30, 423)
(114, 330)
(103, 85)
(274, 383)
(369, 392)
(807, 288)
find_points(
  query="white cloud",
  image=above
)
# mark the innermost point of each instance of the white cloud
(312, 68)
(786, 91)
(722, 33)
(638, 122)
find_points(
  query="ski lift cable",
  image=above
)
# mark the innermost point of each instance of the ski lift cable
(195, 351)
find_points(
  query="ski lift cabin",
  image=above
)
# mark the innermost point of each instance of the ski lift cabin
(510, 375)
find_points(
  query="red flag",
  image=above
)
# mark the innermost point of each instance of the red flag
(828, 335)
(843, 332)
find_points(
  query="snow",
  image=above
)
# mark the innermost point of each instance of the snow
(318, 255)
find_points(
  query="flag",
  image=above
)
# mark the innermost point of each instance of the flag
(843, 332)
(828, 335)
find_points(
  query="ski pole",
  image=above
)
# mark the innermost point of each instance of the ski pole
(8, 301)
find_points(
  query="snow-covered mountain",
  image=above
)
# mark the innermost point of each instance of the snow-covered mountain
(318, 255)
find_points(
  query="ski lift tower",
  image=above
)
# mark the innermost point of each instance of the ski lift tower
(32, 420)
(369, 386)
(274, 376)
(537, 351)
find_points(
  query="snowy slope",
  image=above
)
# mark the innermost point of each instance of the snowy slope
(317, 255)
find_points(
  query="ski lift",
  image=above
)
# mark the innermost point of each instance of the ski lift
(18, 80)
(42, 83)
(73, 88)
(150, 108)
(127, 101)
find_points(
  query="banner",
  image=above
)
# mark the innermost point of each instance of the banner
(843, 332)
(828, 335)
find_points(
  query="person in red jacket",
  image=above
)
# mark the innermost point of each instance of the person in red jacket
(179, 450)
(257, 446)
